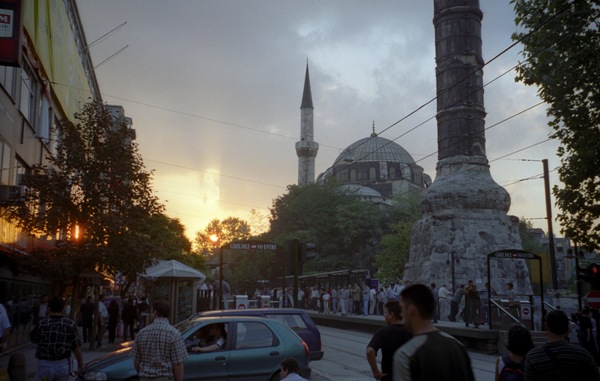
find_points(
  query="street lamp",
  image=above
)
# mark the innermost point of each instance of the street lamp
(215, 239)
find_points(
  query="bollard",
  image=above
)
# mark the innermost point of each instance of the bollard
(16, 367)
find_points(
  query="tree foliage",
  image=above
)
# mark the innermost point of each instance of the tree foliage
(228, 230)
(529, 242)
(561, 42)
(345, 228)
(94, 197)
(391, 260)
(241, 268)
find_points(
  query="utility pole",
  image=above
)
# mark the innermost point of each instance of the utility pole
(550, 231)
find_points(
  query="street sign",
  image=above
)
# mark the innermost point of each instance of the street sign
(593, 299)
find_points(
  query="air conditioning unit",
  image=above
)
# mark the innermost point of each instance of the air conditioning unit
(12, 193)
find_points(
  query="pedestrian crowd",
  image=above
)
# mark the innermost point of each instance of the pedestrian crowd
(411, 346)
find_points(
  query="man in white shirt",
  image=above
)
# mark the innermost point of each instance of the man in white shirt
(444, 302)
(103, 316)
(372, 300)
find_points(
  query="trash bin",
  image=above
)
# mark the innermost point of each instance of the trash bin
(241, 302)
(264, 301)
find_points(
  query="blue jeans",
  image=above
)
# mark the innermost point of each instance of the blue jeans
(53, 370)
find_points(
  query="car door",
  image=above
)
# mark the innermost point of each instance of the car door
(208, 365)
(257, 352)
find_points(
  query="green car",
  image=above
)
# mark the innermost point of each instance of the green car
(254, 348)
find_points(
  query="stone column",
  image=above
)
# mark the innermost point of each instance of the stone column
(464, 210)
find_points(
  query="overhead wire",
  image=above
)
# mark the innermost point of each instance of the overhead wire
(384, 130)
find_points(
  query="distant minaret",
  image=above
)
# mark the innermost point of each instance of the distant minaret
(306, 148)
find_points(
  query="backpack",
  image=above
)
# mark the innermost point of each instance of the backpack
(512, 371)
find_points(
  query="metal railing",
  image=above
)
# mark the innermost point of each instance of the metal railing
(501, 310)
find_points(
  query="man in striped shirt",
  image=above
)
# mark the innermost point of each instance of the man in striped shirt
(559, 360)
(430, 354)
(158, 350)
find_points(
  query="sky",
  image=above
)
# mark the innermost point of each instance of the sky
(214, 91)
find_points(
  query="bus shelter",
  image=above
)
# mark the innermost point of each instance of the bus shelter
(175, 282)
(508, 309)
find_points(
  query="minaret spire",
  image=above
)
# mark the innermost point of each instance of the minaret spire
(306, 148)
(307, 94)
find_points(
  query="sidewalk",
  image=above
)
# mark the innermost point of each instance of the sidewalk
(28, 351)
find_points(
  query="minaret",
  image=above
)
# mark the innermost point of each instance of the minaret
(306, 148)
(464, 210)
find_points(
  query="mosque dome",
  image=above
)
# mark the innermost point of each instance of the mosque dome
(378, 165)
(375, 148)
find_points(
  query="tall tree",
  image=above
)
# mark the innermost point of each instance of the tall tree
(391, 260)
(94, 197)
(340, 223)
(561, 47)
(529, 242)
(218, 233)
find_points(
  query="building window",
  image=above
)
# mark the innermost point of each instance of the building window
(5, 153)
(29, 87)
(21, 170)
(8, 80)
(45, 120)
(372, 174)
(55, 138)
(363, 174)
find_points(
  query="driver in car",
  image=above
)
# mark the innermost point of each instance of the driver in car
(213, 340)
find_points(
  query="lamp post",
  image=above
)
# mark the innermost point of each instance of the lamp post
(551, 250)
(215, 239)
(550, 231)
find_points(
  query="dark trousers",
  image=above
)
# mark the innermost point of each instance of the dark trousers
(453, 310)
(472, 309)
(128, 330)
(112, 330)
(87, 329)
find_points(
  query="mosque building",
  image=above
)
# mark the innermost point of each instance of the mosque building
(375, 168)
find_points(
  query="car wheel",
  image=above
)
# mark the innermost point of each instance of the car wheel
(275, 377)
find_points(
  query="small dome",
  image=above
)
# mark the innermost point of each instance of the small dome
(361, 190)
(375, 148)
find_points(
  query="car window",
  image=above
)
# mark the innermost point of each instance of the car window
(293, 321)
(254, 335)
(201, 337)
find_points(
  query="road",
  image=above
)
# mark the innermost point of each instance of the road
(345, 358)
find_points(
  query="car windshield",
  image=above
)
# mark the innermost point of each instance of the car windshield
(185, 325)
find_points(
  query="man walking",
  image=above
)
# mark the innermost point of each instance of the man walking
(87, 318)
(388, 339)
(472, 305)
(430, 354)
(436, 304)
(158, 350)
(443, 302)
(559, 360)
(56, 337)
(102, 320)
(455, 302)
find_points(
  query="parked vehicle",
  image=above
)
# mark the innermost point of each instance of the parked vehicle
(296, 319)
(254, 348)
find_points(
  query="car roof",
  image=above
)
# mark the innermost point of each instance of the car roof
(253, 311)
(201, 319)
